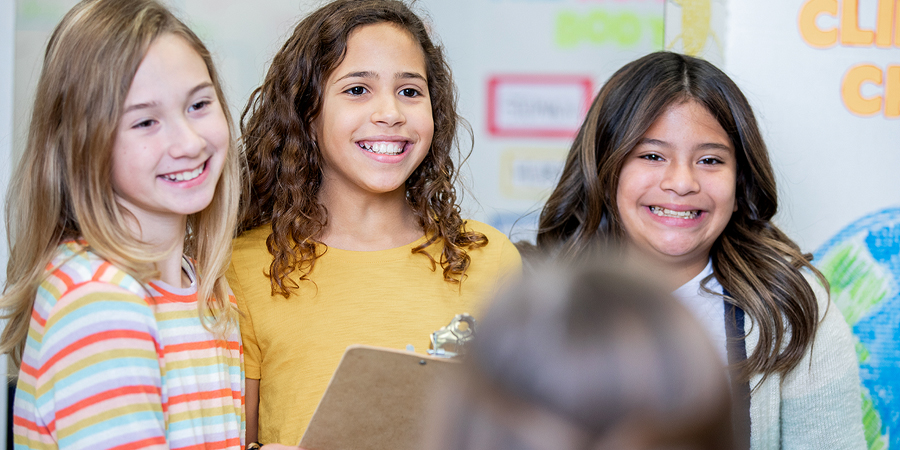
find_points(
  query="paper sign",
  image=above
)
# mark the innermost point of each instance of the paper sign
(537, 106)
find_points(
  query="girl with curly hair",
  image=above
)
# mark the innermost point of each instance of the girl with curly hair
(670, 167)
(352, 231)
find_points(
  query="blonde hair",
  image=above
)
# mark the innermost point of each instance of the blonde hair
(63, 188)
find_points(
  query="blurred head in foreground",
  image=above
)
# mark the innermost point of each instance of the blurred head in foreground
(586, 357)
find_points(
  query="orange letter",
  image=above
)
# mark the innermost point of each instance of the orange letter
(852, 86)
(850, 32)
(885, 24)
(892, 93)
(897, 25)
(811, 33)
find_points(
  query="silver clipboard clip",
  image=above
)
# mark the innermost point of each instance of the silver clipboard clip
(451, 340)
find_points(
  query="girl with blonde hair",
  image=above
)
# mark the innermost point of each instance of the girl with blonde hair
(120, 217)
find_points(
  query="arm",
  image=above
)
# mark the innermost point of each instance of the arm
(95, 370)
(251, 400)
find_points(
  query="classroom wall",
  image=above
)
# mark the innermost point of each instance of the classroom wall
(7, 34)
(826, 92)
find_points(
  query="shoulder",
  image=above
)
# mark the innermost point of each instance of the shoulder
(252, 239)
(499, 250)
(85, 300)
(496, 238)
(249, 250)
(75, 267)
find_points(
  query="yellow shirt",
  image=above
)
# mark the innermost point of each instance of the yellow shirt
(389, 298)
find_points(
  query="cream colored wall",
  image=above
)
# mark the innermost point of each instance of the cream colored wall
(7, 33)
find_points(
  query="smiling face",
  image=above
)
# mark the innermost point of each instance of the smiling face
(676, 188)
(172, 139)
(375, 127)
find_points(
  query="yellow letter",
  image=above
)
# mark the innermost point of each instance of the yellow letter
(851, 34)
(897, 25)
(885, 25)
(812, 34)
(892, 93)
(852, 86)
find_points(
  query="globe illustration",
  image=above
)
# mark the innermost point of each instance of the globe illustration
(862, 263)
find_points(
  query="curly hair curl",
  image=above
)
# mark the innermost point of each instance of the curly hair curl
(285, 163)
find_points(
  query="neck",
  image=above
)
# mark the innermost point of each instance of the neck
(673, 273)
(166, 238)
(368, 222)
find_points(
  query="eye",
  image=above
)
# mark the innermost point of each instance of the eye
(144, 124)
(651, 157)
(410, 92)
(356, 90)
(711, 160)
(199, 105)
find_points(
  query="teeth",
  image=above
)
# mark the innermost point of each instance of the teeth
(383, 148)
(663, 212)
(185, 176)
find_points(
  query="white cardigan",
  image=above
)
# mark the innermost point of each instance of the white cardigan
(818, 405)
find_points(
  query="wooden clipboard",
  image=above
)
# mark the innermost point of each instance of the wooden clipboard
(378, 399)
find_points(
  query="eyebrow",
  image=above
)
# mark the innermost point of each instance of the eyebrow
(703, 146)
(369, 74)
(145, 105)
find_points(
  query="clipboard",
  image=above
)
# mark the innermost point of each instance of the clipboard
(378, 399)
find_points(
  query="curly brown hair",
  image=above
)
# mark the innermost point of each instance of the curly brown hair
(754, 261)
(285, 162)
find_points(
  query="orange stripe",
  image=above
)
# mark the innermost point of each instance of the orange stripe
(25, 423)
(236, 442)
(37, 317)
(204, 345)
(101, 271)
(65, 278)
(28, 370)
(159, 440)
(92, 339)
(205, 395)
(106, 395)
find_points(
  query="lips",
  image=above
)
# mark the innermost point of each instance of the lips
(665, 212)
(186, 175)
(383, 147)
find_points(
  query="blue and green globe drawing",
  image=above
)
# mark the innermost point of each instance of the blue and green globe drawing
(862, 262)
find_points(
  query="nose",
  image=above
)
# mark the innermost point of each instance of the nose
(185, 140)
(679, 177)
(388, 111)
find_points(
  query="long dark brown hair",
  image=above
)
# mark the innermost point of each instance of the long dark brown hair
(286, 164)
(753, 260)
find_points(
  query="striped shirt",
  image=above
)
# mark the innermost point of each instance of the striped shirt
(111, 363)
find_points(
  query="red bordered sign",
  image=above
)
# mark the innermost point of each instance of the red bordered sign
(537, 105)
